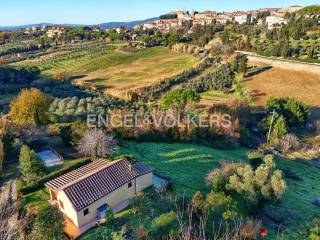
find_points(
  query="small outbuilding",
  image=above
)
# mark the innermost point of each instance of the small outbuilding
(50, 158)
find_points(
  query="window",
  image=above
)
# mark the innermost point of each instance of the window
(61, 204)
(86, 212)
(129, 184)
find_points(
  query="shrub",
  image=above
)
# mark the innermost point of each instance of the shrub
(255, 158)
(250, 229)
(218, 178)
(71, 133)
(62, 76)
(294, 112)
(279, 126)
(141, 233)
(315, 230)
(164, 225)
(256, 186)
(48, 224)
(138, 203)
(109, 217)
(288, 142)
(220, 205)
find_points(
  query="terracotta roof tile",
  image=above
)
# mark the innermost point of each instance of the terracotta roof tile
(97, 179)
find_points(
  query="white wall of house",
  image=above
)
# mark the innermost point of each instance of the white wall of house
(112, 199)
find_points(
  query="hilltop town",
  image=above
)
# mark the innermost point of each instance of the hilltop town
(180, 19)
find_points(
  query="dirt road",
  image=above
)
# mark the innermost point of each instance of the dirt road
(283, 63)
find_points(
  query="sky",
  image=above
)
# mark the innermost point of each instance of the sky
(22, 12)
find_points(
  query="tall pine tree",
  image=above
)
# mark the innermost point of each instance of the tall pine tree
(30, 166)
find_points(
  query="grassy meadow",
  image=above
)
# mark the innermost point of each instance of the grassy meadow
(119, 71)
(297, 209)
(107, 67)
(185, 164)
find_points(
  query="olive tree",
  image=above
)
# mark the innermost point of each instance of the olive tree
(264, 183)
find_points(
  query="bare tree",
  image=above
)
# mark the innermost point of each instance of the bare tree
(10, 225)
(197, 230)
(96, 143)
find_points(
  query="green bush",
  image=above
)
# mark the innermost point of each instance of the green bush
(164, 225)
(30, 165)
(221, 80)
(266, 183)
(295, 113)
(48, 224)
(178, 99)
(29, 188)
(156, 90)
(255, 158)
(314, 231)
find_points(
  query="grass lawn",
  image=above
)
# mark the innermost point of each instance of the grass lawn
(36, 199)
(211, 97)
(297, 208)
(185, 164)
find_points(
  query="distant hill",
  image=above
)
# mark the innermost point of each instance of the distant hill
(16, 28)
(126, 24)
(101, 25)
(313, 10)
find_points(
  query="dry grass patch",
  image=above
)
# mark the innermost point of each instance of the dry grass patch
(144, 70)
(277, 82)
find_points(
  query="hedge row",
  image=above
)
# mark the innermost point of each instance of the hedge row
(156, 90)
(40, 183)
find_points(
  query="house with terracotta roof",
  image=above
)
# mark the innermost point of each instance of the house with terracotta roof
(84, 195)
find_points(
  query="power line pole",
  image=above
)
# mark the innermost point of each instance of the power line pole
(269, 133)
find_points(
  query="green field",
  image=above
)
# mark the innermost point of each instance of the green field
(211, 97)
(108, 67)
(185, 164)
(119, 71)
(297, 208)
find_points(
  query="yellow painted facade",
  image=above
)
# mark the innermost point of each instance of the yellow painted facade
(112, 199)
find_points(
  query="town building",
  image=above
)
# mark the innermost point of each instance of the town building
(272, 21)
(55, 31)
(241, 17)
